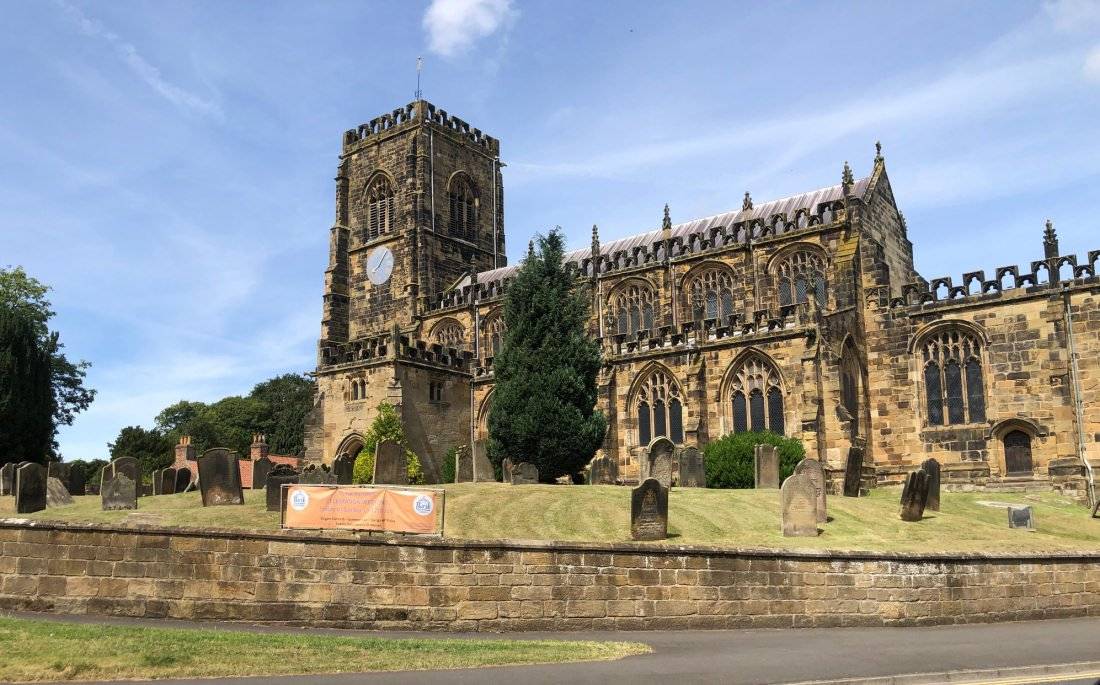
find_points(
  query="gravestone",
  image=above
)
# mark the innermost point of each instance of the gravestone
(524, 473)
(649, 511)
(693, 473)
(30, 488)
(659, 461)
(914, 495)
(183, 479)
(220, 478)
(853, 472)
(391, 464)
(7, 479)
(77, 483)
(118, 492)
(603, 471)
(168, 481)
(506, 469)
(57, 495)
(932, 468)
(766, 467)
(483, 468)
(158, 481)
(1021, 517)
(280, 475)
(317, 475)
(60, 471)
(812, 469)
(123, 465)
(798, 499)
(343, 469)
(260, 470)
(464, 464)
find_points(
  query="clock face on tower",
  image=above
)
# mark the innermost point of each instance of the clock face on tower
(379, 265)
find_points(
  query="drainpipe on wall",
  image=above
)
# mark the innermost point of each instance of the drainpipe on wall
(1078, 407)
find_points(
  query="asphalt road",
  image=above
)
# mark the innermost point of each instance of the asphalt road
(872, 655)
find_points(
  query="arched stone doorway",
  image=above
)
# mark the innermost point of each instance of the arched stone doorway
(351, 445)
(1018, 460)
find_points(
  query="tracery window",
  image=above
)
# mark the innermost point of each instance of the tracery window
(450, 334)
(494, 335)
(379, 203)
(464, 205)
(954, 389)
(660, 409)
(633, 307)
(710, 295)
(802, 276)
(756, 396)
(850, 376)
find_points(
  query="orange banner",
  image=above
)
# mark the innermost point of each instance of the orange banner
(363, 508)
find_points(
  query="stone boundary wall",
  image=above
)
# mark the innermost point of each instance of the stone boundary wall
(348, 580)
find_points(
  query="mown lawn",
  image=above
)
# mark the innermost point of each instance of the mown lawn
(728, 518)
(40, 650)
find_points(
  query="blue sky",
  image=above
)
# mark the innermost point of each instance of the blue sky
(167, 167)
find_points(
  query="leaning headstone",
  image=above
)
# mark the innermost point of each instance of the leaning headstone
(524, 473)
(603, 471)
(932, 468)
(220, 478)
(483, 468)
(315, 474)
(914, 495)
(649, 511)
(853, 472)
(766, 467)
(798, 499)
(183, 479)
(659, 461)
(391, 464)
(7, 479)
(693, 473)
(57, 495)
(118, 492)
(812, 469)
(464, 464)
(343, 468)
(280, 475)
(30, 488)
(1021, 517)
(123, 465)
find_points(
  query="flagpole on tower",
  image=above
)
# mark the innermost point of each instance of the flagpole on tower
(419, 66)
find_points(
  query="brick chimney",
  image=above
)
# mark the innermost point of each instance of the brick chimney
(259, 447)
(185, 451)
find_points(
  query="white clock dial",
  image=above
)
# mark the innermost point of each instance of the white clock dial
(379, 265)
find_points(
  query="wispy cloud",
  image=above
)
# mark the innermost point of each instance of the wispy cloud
(454, 25)
(140, 66)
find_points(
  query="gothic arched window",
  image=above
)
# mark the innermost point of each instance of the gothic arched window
(756, 396)
(954, 389)
(710, 295)
(450, 334)
(659, 409)
(850, 376)
(494, 335)
(802, 276)
(633, 306)
(379, 207)
(464, 205)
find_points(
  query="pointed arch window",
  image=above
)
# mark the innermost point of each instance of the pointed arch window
(756, 396)
(494, 335)
(660, 409)
(710, 295)
(450, 334)
(801, 276)
(850, 378)
(634, 308)
(463, 199)
(954, 387)
(379, 207)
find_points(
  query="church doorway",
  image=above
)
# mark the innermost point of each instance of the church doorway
(351, 445)
(1018, 453)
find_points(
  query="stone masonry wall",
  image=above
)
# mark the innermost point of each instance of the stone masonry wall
(429, 584)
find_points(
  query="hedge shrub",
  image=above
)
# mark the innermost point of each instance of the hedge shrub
(386, 426)
(729, 460)
(448, 469)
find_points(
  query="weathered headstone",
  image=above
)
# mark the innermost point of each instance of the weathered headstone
(158, 481)
(57, 495)
(343, 468)
(649, 511)
(77, 483)
(391, 464)
(464, 464)
(766, 466)
(853, 472)
(183, 479)
(1021, 517)
(798, 501)
(168, 481)
(914, 495)
(280, 475)
(30, 488)
(315, 474)
(603, 471)
(932, 468)
(7, 479)
(118, 492)
(220, 478)
(124, 465)
(261, 467)
(59, 470)
(483, 468)
(659, 461)
(693, 473)
(524, 473)
(506, 469)
(812, 469)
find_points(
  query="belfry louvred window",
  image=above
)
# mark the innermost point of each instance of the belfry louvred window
(954, 389)
(802, 277)
(756, 396)
(463, 208)
(379, 206)
(659, 409)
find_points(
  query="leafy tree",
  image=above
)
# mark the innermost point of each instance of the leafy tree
(150, 447)
(386, 426)
(289, 399)
(729, 460)
(230, 422)
(26, 398)
(543, 408)
(175, 419)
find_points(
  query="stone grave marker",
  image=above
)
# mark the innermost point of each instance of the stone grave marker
(118, 492)
(659, 461)
(649, 511)
(158, 481)
(30, 488)
(61, 471)
(391, 464)
(220, 478)
(77, 484)
(603, 471)
(506, 469)
(483, 468)
(260, 469)
(766, 466)
(343, 468)
(7, 479)
(183, 479)
(693, 473)
(57, 495)
(932, 468)
(1021, 517)
(315, 474)
(914, 495)
(123, 465)
(524, 473)
(798, 499)
(464, 464)
(168, 481)
(853, 472)
(812, 469)
(280, 475)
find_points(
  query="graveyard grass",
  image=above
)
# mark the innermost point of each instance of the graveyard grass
(42, 650)
(724, 518)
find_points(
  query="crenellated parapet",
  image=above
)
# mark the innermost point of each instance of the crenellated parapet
(392, 347)
(420, 111)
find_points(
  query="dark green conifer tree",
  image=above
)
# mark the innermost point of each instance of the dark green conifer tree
(543, 409)
(26, 396)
